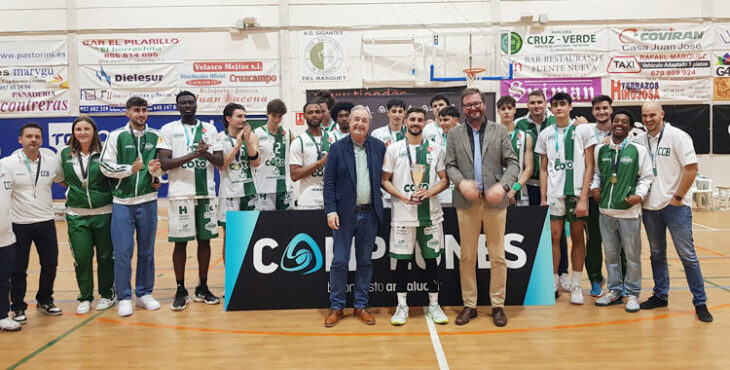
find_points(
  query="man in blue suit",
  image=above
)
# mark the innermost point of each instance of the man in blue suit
(354, 206)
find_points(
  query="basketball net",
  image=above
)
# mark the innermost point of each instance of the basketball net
(473, 75)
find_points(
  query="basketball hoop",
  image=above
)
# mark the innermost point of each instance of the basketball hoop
(472, 76)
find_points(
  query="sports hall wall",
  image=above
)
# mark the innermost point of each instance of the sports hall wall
(62, 58)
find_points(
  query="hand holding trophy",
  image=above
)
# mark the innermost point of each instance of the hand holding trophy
(417, 173)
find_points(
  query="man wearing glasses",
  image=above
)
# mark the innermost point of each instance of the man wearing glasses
(482, 179)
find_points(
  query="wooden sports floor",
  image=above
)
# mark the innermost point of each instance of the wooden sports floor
(563, 336)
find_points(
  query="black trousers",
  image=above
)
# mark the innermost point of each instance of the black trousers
(43, 235)
(7, 260)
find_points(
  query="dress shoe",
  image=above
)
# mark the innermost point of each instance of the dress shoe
(333, 317)
(364, 316)
(466, 315)
(500, 319)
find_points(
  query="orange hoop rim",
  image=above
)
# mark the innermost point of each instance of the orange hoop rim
(473, 72)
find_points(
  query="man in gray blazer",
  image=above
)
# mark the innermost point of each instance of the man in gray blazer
(483, 166)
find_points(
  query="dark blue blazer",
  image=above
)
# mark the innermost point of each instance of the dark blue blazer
(340, 179)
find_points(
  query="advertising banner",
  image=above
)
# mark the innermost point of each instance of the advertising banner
(669, 38)
(580, 89)
(682, 64)
(559, 65)
(722, 37)
(270, 267)
(138, 49)
(34, 90)
(375, 99)
(214, 99)
(641, 90)
(721, 129)
(721, 89)
(230, 74)
(323, 56)
(33, 53)
(553, 40)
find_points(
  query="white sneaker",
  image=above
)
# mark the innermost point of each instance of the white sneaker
(576, 295)
(437, 314)
(125, 308)
(610, 298)
(565, 282)
(83, 308)
(105, 303)
(633, 304)
(148, 303)
(400, 316)
(9, 324)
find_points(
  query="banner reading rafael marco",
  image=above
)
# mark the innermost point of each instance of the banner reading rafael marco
(557, 52)
(251, 83)
(34, 77)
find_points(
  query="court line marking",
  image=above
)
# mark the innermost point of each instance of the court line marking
(706, 227)
(711, 251)
(436, 342)
(55, 340)
(414, 334)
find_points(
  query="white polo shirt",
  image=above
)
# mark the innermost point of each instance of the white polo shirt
(668, 156)
(33, 201)
(7, 238)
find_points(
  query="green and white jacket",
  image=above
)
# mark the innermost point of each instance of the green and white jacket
(121, 149)
(95, 198)
(634, 174)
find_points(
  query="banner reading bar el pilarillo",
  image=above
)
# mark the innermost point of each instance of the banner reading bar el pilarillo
(281, 260)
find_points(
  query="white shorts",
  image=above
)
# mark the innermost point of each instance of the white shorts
(233, 205)
(268, 202)
(564, 209)
(403, 241)
(191, 218)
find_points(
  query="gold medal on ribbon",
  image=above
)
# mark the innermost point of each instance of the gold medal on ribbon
(614, 179)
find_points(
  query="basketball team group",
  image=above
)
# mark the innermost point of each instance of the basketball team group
(603, 178)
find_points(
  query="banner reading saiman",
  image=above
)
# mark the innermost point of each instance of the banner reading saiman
(34, 90)
(139, 49)
(637, 89)
(580, 89)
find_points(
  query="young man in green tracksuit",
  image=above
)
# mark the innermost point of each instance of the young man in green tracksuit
(622, 179)
(128, 158)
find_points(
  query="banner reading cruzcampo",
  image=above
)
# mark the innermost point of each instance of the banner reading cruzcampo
(131, 50)
(580, 89)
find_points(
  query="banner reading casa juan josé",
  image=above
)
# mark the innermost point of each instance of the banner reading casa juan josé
(274, 267)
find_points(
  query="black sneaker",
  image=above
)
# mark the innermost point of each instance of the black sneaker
(557, 294)
(49, 309)
(702, 313)
(19, 316)
(181, 299)
(202, 294)
(653, 302)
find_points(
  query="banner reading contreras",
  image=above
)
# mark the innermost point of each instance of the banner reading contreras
(138, 49)
(214, 99)
(34, 90)
(580, 89)
(33, 53)
(323, 56)
(243, 73)
(638, 89)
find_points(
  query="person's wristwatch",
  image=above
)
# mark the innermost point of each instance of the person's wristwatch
(506, 188)
(678, 197)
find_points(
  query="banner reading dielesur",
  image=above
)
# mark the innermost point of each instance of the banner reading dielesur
(107, 88)
(141, 49)
(654, 89)
(33, 77)
(580, 89)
